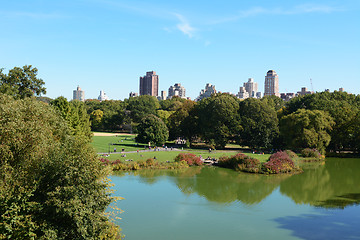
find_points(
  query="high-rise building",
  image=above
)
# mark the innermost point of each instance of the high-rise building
(103, 96)
(304, 92)
(243, 94)
(207, 92)
(251, 87)
(79, 94)
(176, 90)
(149, 84)
(271, 84)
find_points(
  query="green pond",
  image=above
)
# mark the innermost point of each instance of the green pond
(214, 203)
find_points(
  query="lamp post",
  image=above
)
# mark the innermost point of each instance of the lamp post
(109, 148)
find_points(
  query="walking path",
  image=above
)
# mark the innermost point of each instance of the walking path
(147, 150)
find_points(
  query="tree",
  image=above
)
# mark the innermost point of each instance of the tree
(259, 123)
(52, 185)
(176, 124)
(307, 129)
(74, 113)
(218, 119)
(96, 117)
(152, 129)
(21, 82)
(113, 117)
(341, 106)
(142, 106)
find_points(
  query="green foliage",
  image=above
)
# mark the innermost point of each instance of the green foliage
(259, 123)
(152, 129)
(164, 115)
(241, 162)
(176, 122)
(172, 104)
(21, 82)
(142, 106)
(218, 120)
(312, 155)
(113, 114)
(51, 183)
(307, 129)
(341, 106)
(96, 118)
(74, 113)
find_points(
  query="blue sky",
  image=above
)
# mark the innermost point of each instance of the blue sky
(108, 45)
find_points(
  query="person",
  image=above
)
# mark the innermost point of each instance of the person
(114, 149)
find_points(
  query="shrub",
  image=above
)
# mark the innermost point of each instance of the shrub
(279, 162)
(311, 153)
(240, 162)
(249, 165)
(291, 154)
(189, 158)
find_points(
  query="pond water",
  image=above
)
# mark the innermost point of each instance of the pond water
(214, 203)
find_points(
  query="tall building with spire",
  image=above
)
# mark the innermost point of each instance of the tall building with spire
(271, 84)
(79, 94)
(149, 84)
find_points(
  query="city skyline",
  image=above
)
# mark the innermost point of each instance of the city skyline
(109, 44)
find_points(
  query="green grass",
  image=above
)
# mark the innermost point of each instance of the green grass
(127, 142)
(103, 144)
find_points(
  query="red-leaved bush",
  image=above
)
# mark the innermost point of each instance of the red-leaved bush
(189, 158)
(279, 162)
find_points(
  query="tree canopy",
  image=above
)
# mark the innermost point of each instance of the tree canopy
(21, 82)
(152, 129)
(307, 129)
(52, 185)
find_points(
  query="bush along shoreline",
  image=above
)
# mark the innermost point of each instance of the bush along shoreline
(279, 162)
(183, 160)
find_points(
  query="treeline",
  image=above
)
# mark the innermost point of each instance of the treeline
(326, 121)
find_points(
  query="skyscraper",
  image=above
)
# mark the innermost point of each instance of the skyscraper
(149, 84)
(177, 90)
(103, 96)
(271, 84)
(79, 94)
(251, 87)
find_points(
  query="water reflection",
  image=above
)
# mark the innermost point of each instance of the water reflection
(334, 184)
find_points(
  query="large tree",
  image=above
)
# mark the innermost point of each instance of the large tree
(259, 123)
(52, 185)
(307, 129)
(218, 120)
(21, 82)
(74, 113)
(142, 106)
(152, 129)
(341, 106)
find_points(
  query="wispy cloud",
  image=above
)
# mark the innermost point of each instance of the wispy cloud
(184, 26)
(296, 10)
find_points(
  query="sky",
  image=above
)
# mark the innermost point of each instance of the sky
(108, 45)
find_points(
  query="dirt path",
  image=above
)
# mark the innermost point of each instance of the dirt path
(102, 134)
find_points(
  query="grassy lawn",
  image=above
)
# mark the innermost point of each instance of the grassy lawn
(127, 142)
(102, 144)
